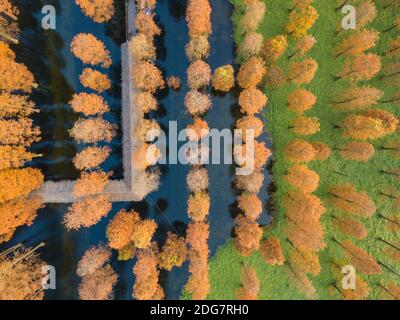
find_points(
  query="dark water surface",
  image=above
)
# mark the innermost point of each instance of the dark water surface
(58, 72)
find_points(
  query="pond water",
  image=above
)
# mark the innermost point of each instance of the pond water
(58, 73)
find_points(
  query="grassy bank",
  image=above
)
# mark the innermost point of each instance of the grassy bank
(225, 267)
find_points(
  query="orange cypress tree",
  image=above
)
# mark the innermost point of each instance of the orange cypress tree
(251, 205)
(271, 251)
(361, 67)
(89, 104)
(357, 43)
(251, 73)
(18, 132)
(350, 227)
(250, 46)
(347, 198)
(248, 235)
(301, 206)
(250, 285)
(223, 78)
(87, 212)
(357, 151)
(250, 123)
(303, 45)
(90, 184)
(91, 157)
(198, 48)
(299, 151)
(199, 206)
(12, 157)
(95, 80)
(17, 213)
(305, 261)
(252, 101)
(142, 48)
(250, 183)
(197, 102)
(93, 259)
(274, 48)
(145, 24)
(120, 229)
(145, 101)
(90, 50)
(98, 10)
(92, 130)
(305, 125)
(323, 151)
(360, 258)
(357, 98)
(146, 76)
(301, 20)
(173, 253)
(18, 183)
(198, 17)
(303, 72)
(253, 15)
(362, 128)
(301, 100)
(199, 74)
(15, 76)
(302, 178)
(12, 105)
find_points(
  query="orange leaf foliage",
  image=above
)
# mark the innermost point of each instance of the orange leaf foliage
(95, 80)
(271, 251)
(90, 50)
(251, 73)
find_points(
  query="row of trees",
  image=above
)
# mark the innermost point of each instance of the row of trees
(17, 133)
(147, 80)
(197, 103)
(353, 207)
(90, 204)
(248, 232)
(303, 229)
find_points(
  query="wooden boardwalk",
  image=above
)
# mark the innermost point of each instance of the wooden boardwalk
(117, 190)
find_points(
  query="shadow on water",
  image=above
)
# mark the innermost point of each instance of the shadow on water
(58, 71)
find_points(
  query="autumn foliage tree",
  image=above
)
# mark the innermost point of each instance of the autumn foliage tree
(303, 72)
(251, 73)
(357, 98)
(93, 130)
(298, 151)
(16, 213)
(90, 50)
(360, 67)
(173, 253)
(357, 43)
(271, 251)
(250, 123)
(18, 132)
(198, 17)
(223, 78)
(98, 10)
(12, 105)
(253, 15)
(347, 198)
(146, 285)
(87, 212)
(302, 178)
(251, 205)
(15, 76)
(12, 157)
(91, 157)
(17, 183)
(250, 46)
(252, 101)
(21, 273)
(142, 48)
(274, 48)
(146, 76)
(303, 45)
(301, 100)
(145, 101)
(198, 47)
(250, 287)
(197, 102)
(248, 235)
(98, 277)
(305, 125)
(357, 151)
(251, 183)
(199, 206)
(95, 80)
(301, 20)
(197, 179)
(89, 104)
(199, 74)
(91, 183)
(145, 24)
(350, 227)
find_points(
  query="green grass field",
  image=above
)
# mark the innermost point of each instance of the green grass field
(225, 267)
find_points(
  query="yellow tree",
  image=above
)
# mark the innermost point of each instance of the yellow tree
(17, 183)
(90, 50)
(98, 10)
(301, 20)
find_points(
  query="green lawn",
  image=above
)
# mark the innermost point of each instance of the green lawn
(225, 267)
